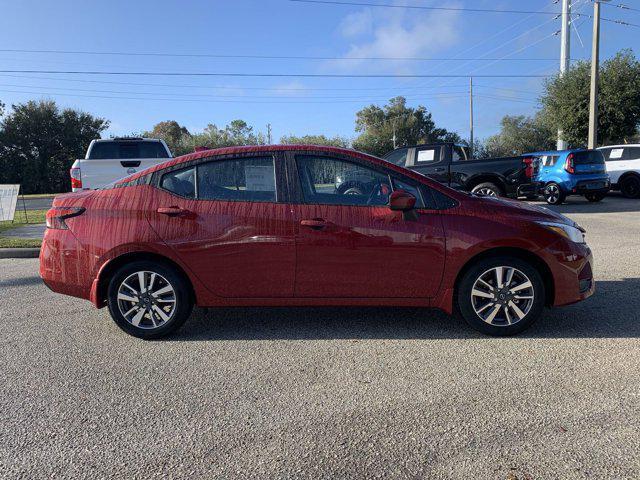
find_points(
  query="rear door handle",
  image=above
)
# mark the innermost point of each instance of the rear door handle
(439, 169)
(315, 224)
(172, 211)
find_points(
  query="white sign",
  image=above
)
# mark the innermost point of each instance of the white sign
(260, 178)
(426, 155)
(8, 201)
(616, 153)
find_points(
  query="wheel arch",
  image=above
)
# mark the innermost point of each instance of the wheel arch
(526, 255)
(107, 271)
(627, 174)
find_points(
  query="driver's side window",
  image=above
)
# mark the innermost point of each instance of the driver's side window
(333, 181)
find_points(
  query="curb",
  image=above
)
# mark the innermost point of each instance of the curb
(19, 252)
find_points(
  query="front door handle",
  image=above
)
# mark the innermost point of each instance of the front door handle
(315, 224)
(172, 211)
(439, 169)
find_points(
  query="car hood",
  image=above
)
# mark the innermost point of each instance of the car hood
(526, 211)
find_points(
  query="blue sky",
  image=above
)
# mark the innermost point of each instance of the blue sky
(283, 28)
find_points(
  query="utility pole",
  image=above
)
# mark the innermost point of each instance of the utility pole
(470, 117)
(595, 70)
(393, 123)
(565, 53)
(268, 133)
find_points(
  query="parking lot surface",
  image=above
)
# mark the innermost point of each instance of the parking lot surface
(328, 392)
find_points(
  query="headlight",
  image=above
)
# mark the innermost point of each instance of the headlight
(575, 234)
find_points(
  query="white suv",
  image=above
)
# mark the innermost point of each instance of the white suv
(623, 166)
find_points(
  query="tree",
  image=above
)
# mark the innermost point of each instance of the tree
(177, 137)
(519, 134)
(566, 100)
(238, 132)
(410, 125)
(38, 144)
(336, 141)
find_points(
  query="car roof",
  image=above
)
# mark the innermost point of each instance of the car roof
(268, 149)
(127, 139)
(620, 146)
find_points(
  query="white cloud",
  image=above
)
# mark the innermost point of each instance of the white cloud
(295, 88)
(398, 32)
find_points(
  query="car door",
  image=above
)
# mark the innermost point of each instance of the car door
(353, 245)
(226, 220)
(430, 160)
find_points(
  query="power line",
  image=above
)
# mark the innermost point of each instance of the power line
(240, 74)
(622, 6)
(453, 95)
(420, 7)
(252, 56)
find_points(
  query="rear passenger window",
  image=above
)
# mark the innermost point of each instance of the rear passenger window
(632, 153)
(181, 182)
(614, 154)
(247, 179)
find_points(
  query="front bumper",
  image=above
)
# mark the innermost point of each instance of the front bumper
(571, 265)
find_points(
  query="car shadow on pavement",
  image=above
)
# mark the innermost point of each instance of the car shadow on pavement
(613, 203)
(613, 312)
(21, 281)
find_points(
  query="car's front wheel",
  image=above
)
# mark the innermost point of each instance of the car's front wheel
(148, 299)
(501, 296)
(553, 194)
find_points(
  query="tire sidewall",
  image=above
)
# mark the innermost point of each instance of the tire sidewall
(465, 307)
(184, 303)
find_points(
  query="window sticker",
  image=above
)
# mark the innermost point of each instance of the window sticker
(616, 153)
(260, 178)
(426, 155)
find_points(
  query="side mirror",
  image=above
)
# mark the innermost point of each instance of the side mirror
(401, 200)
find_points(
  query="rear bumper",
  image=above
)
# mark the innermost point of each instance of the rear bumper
(64, 267)
(591, 186)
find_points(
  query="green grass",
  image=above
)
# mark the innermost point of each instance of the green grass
(33, 216)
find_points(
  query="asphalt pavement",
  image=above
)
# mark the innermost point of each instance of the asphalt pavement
(328, 392)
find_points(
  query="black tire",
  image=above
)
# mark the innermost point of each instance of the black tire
(553, 194)
(630, 186)
(595, 197)
(484, 188)
(500, 326)
(177, 312)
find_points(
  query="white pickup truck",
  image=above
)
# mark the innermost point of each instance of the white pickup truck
(112, 159)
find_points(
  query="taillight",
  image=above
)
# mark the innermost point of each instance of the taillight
(569, 165)
(76, 178)
(56, 216)
(529, 170)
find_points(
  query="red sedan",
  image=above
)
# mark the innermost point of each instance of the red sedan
(306, 225)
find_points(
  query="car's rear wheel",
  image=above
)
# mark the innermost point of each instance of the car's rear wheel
(553, 194)
(148, 299)
(487, 189)
(501, 296)
(630, 186)
(595, 197)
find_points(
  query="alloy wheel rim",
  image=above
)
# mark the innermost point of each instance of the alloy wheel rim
(146, 300)
(552, 193)
(502, 296)
(486, 192)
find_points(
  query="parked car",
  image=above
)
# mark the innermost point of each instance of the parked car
(112, 159)
(623, 165)
(450, 164)
(263, 226)
(572, 172)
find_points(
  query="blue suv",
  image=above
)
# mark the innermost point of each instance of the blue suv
(572, 172)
